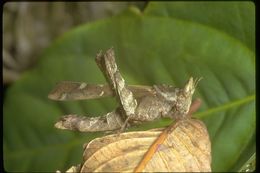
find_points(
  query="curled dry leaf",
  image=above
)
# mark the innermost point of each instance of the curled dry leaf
(182, 147)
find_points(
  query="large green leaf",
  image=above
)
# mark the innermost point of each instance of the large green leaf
(234, 18)
(149, 50)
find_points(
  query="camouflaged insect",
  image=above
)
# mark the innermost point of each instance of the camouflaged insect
(137, 103)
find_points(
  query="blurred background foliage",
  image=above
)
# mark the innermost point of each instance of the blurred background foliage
(29, 27)
(155, 42)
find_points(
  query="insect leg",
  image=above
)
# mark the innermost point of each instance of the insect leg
(110, 121)
(68, 90)
(107, 64)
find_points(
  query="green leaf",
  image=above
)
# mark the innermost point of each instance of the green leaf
(234, 18)
(149, 50)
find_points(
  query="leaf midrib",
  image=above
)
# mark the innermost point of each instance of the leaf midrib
(225, 106)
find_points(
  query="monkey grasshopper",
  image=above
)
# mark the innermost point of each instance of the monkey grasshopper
(137, 103)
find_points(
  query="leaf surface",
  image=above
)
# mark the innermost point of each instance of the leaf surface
(236, 19)
(186, 148)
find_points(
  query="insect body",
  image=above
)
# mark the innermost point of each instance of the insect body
(137, 103)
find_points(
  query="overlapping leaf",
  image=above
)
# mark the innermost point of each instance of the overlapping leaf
(149, 50)
(184, 148)
(234, 18)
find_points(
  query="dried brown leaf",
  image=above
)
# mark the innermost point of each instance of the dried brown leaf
(186, 148)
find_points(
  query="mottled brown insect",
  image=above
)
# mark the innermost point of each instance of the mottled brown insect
(137, 103)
